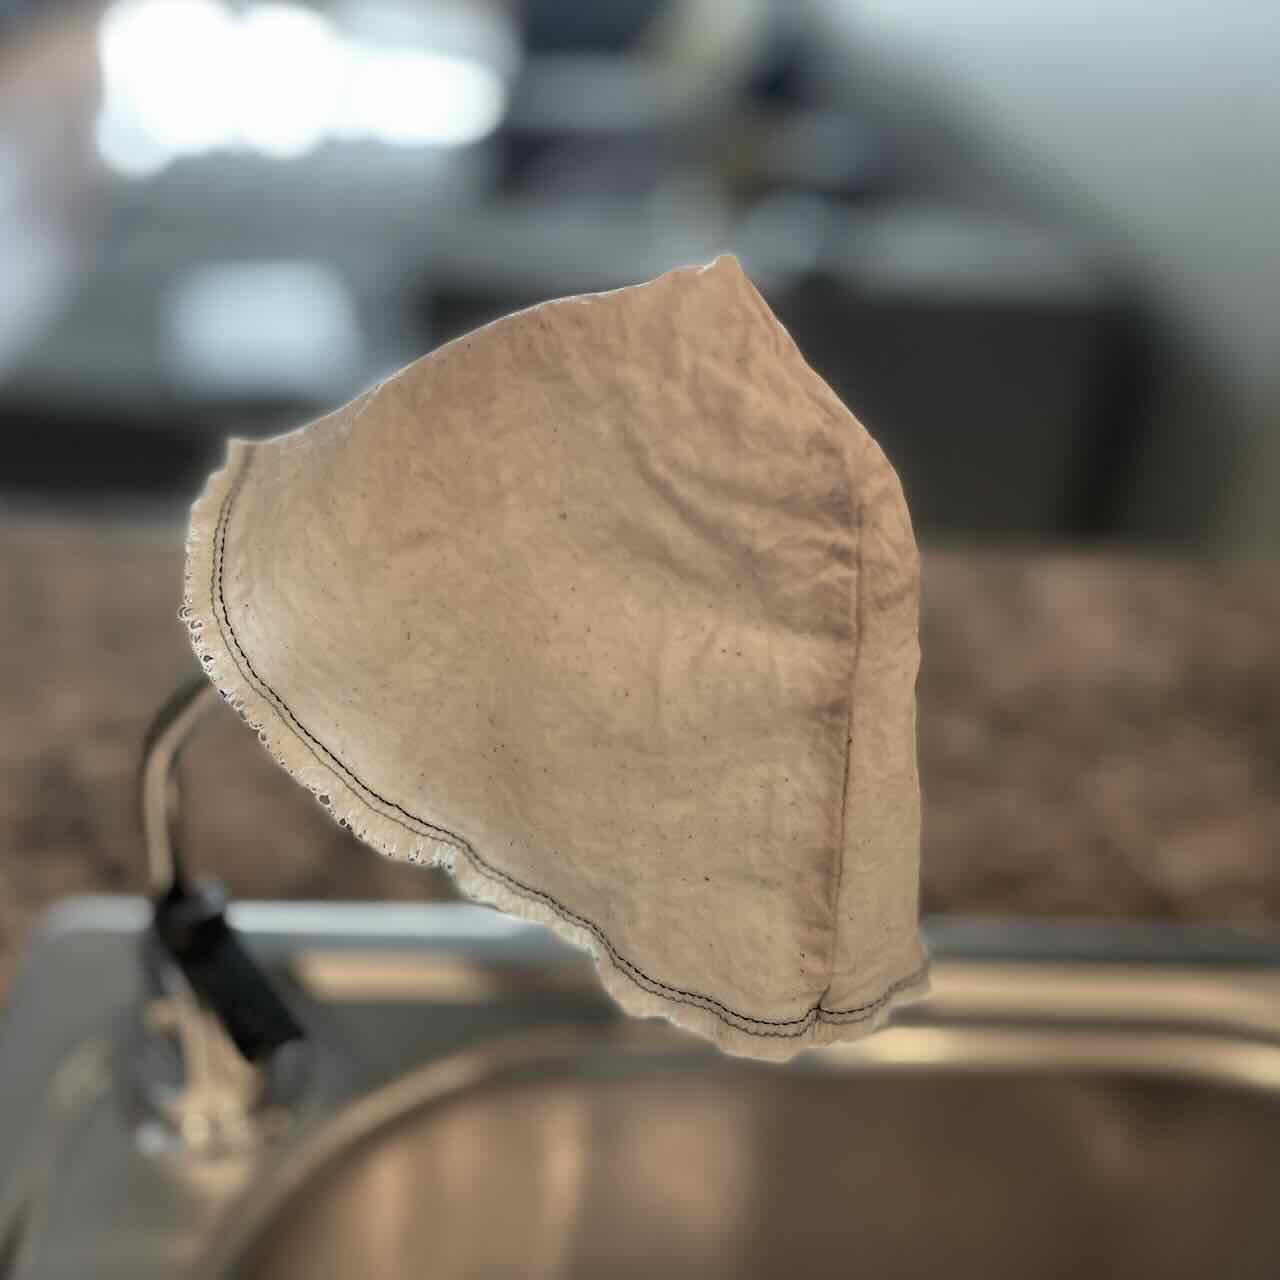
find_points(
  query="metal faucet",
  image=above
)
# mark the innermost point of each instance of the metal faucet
(211, 1063)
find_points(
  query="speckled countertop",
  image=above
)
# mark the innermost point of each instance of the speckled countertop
(1098, 737)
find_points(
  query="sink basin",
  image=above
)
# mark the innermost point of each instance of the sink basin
(576, 1158)
(1068, 1102)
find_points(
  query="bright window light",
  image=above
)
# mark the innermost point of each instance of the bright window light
(417, 98)
(288, 75)
(185, 77)
(164, 65)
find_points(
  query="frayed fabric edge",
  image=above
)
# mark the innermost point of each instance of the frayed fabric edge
(393, 839)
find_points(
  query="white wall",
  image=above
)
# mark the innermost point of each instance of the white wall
(1163, 116)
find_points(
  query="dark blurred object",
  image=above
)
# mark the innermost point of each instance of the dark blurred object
(1005, 419)
(569, 26)
(109, 457)
(191, 932)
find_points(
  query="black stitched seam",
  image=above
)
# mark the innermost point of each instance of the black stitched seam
(645, 981)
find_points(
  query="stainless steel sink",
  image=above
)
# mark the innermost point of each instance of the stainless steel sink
(573, 1157)
(1070, 1101)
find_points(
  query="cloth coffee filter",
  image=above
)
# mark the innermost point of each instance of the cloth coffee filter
(610, 608)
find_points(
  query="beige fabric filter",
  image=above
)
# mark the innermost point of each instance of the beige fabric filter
(609, 607)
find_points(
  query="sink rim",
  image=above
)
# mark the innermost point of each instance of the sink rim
(1220, 983)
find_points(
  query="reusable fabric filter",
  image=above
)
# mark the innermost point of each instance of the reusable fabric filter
(610, 608)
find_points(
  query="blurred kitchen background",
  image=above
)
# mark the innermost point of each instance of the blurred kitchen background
(1032, 246)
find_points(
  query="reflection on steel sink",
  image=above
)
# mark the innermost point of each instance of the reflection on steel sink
(584, 1159)
(1069, 1100)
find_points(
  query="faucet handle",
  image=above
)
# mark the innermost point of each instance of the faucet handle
(190, 923)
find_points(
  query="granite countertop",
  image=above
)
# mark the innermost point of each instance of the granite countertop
(1099, 737)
